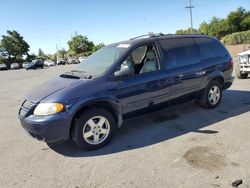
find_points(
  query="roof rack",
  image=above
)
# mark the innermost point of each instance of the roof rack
(150, 34)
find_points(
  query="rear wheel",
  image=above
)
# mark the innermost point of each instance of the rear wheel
(239, 74)
(212, 95)
(93, 129)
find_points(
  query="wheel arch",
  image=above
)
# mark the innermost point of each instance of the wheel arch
(218, 76)
(110, 105)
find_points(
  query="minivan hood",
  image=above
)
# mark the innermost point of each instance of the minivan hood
(52, 86)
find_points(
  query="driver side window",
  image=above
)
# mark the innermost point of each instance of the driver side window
(142, 60)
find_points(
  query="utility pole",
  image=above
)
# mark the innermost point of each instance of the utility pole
(190, 7)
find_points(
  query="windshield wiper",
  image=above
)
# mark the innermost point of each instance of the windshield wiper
(80, 73)
(67, 75)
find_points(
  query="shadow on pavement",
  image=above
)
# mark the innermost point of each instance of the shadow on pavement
(166, 124)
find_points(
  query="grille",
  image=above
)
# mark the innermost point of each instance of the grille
(26, 107)
(28, 104)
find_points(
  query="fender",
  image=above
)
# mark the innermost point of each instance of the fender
(76, 105)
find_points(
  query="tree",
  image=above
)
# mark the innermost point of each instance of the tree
(204, 28)
(14, 44)
(186, 31)
(40, 52)
(52, 56)
(79, 44)
(98, 46)
(237, 20)
(62, 53)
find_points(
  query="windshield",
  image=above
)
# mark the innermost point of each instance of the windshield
(100, 61)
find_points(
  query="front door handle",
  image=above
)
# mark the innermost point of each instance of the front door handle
(178, 77)
(201, 73)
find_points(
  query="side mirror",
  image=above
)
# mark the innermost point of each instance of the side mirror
(124, 71)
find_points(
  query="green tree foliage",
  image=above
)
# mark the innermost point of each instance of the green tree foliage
(41, 54)
(15, 45)
(237, 38)
(31, 57)
(98, 46)
(52, 56)
(236, 21)
(79, 44)
(62, 53)
(186, 31)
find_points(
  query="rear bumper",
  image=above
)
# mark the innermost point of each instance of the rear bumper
(228, 82)
(52, 128)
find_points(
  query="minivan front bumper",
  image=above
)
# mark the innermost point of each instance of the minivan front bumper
(51, 128)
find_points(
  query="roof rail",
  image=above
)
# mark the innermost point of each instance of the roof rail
(150, 34)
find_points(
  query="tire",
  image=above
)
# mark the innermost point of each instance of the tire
(95, 136)
(212, 95)
(238, 74)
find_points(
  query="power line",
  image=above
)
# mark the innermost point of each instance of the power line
(190, 7)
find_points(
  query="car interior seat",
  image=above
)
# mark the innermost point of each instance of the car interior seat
(150, 63)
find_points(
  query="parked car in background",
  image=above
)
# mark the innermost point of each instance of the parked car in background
(60, 61)
(72, 60)
(35, 64)
(14, 66)
(90, 102)
(242, 68)
(49, 63)
(25, 64)
(3, 66)
(81, 59)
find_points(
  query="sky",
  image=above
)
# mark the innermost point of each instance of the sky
(48, 24)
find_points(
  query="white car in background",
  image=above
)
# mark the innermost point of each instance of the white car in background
(60, 61)
(25, 64)
(242, 68)
(72, 60)
(81, 59)
(49, 63)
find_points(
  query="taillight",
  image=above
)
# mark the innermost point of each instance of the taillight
(231, 64)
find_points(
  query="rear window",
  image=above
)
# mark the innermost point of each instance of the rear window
(210, 48)
(180, 52)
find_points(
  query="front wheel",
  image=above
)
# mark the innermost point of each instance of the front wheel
(93, 129)
(211, 96)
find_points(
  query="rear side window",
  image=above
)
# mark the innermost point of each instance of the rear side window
(180, 52)
(210, 48)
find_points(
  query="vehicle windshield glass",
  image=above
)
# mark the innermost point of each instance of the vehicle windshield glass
(243, 58)
(100, 61)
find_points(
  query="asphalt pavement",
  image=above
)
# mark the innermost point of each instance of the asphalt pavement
(181, 146)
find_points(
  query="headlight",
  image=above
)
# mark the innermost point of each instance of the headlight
(44, 109)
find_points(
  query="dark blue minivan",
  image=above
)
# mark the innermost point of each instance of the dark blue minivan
(122, 80)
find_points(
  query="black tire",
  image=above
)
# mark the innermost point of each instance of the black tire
(238, 73)
(204, 101)
(80, 124)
